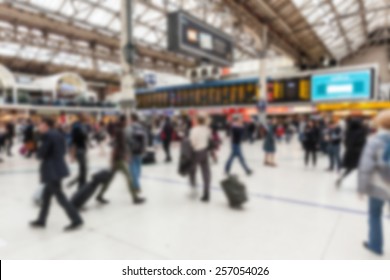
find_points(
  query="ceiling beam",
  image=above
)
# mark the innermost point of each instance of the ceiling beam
(362, 9)
(340, 25)
(44, 23)
(256, 25)
(19, 65)
(280, 19)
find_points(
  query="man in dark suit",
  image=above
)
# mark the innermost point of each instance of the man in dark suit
(53, 169)
(79, 146)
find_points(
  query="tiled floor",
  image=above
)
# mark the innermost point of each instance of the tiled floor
(293, 213)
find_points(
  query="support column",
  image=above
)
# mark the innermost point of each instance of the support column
(262, 101)
(14, 95)
(263, 64)
(127, 57)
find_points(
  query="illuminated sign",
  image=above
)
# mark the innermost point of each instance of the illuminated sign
(353, 85)
(289, 90)
(190, 36)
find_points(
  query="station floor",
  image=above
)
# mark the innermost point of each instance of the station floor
(293, 213)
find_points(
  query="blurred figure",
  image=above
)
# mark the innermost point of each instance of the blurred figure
(2, 139)
(270, 144)
(279, 132)
(334, 146)
(251, 131)
(137, 139)
(311, 140)
(355, 139)
(9, 137)
(100, 136)
(237, 132)
(53, 170)
(166, 136)
(119, 162)
(289, 129)
(301, 130)
(216, 142)
(79, 147)
(374, 180)
(200, 136)
(29, 139)
(156, 133)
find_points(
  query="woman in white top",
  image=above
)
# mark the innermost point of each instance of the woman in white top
(200, 136)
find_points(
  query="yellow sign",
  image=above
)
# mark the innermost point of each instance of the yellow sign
(374, 105)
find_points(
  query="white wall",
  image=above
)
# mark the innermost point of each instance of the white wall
(377, 54)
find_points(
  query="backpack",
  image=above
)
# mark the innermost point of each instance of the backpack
(383, 166)
(138, 144)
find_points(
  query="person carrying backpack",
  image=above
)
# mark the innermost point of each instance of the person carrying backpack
(374, 180)
(137, 139)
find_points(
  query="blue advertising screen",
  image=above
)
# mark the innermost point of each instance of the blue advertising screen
(352, 85)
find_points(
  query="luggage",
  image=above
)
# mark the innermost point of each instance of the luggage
(149, 157)
(235, 191)
(38, 195)
(85, 193)
(186, 159)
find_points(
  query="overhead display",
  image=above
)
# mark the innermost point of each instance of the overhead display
(352, 85)
(188, 35)
(289, 90)
(222, 93)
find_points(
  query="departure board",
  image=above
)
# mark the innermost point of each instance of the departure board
(220, 95)
(289, 90)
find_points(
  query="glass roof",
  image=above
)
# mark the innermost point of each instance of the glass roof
(342, 25)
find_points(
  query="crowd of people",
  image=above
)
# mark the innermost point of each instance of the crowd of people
(133, 141)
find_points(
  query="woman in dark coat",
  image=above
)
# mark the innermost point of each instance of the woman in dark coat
(355, 140)
(269, 145)
(311, 142)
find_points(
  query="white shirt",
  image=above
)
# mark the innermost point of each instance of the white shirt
(199, 137)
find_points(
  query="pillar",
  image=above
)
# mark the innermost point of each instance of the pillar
(127, 57)
(14, 95)
(262, 102)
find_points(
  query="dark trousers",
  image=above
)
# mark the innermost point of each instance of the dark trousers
(10, 143)
(311, 152)
(346, 172)
(120, 166)
(334, 156)
(236, 152)
(167, 149)
(54, 189)
(375, 236)
(81, 157)
(201, 158)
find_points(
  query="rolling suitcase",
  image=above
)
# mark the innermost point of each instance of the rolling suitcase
(85, 193)
(149, 157)
(235, 191)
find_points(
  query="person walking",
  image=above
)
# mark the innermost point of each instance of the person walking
(53, 170)
(79, 147)
(2, 139)
(270, 144)
(10, 134)
(237, 137)
(251, 131)
(166, 137)
(216, 142)
(29, 138)
(311, 142)
(137, 139)
(374, 180)
(334, 146)
(119, 162)
(200, 137)
(355, 139)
